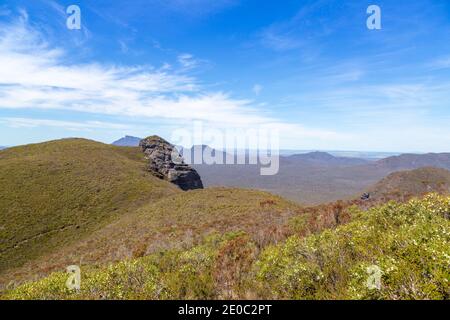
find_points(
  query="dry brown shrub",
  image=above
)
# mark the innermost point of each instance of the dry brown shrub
(232, 267)
(140, 250)
(267, 203)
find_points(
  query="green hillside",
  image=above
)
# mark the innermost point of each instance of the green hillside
(408, 243)
(80, 202)
(177, 221)
(56, 192)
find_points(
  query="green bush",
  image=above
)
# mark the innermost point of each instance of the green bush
(408, 245)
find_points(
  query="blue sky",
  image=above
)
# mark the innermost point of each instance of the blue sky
(310, 69)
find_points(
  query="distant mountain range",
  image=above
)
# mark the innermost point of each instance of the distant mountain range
(317, 177)
(127, 141)
(369, 155)
(323, 159)
(312, 177)
(413, 161)
(411, 183)
(130, 141)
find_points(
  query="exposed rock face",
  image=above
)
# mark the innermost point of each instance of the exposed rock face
(166, 163)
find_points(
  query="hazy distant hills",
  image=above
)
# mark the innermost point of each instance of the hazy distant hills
(413, 161)
(412, 183)
(130, 141)
(312, 177)
(322, 159)
(309, 183)
(127, 141)
(318, 177)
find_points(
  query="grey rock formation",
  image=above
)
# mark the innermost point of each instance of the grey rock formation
(166, 163)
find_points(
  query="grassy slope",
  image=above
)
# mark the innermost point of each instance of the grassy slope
(176, 221)
(413, 182)
(56, 192)
(409, 243)
(183, 219)
(100, 206)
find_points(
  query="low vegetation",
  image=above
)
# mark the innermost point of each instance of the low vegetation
(54, 193)
(408, 243)
(404, 184)
(174, 222)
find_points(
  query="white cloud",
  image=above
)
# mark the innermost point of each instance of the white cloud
(71, 125)
(35, 75)
(187, 60)
(278, 41)
(297, 31)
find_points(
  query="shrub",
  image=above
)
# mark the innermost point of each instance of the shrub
(409, 244)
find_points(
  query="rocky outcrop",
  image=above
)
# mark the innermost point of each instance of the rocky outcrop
(165, 162)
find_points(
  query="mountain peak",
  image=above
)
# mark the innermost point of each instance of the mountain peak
(319, 155)
(127, 141)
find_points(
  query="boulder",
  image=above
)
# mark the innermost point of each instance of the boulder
(165, 162)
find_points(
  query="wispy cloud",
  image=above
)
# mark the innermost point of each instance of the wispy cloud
(187, 61)
(36, 75)
(440, 63)
(297, 31)
(276, 38)
(69, 125)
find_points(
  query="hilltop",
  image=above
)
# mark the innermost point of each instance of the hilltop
(54, 193)
(75, 200)
(414, 161)
(412, 183)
